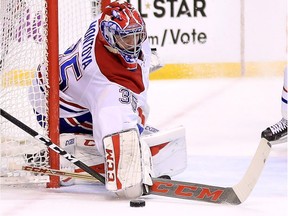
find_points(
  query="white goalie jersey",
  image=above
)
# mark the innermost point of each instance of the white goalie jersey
(95, 89)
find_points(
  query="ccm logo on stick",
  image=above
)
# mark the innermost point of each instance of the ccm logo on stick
(183, 191)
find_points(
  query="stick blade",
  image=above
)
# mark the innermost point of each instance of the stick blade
(221, 195)
(194, 191)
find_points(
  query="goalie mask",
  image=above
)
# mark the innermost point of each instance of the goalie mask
(123, 32)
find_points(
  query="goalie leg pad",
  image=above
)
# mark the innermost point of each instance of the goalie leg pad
(87, 152)
(170, 160)
(169, 153)
(83, 147)
(125, 168)
(68, 143)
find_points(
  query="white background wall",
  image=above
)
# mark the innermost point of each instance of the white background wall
(266, 33)
(264, 29)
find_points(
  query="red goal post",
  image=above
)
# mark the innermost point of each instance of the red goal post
(53, 77)
(33, 33)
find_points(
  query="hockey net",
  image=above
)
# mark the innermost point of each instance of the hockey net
(23, 45)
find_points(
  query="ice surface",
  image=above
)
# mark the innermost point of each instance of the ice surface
(223, 120)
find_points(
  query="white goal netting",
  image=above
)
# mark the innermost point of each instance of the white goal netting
(23, 46)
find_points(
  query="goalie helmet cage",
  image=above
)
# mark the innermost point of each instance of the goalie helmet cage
(33, 33)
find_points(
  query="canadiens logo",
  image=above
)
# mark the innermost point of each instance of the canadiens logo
(89, 142)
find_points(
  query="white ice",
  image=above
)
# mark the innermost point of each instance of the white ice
(223, 120)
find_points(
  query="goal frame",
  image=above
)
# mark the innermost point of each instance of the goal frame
(53, 76)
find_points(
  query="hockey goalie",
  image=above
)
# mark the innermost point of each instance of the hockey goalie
(104, 80)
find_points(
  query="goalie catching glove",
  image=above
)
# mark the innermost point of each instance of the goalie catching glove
(128, 164)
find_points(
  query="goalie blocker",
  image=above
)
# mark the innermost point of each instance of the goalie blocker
(157, 153)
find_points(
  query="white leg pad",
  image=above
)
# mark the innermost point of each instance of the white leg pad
(68, 143)
(86, 150)
(124, 164)
(164, 136)
(83, 147)
(169, 153)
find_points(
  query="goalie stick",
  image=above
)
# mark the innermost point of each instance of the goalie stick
(200, 192)
(235, 195)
